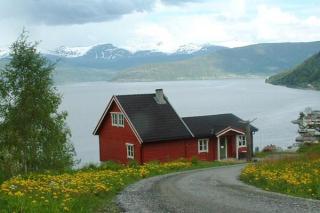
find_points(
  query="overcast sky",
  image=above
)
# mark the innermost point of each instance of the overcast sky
(159, 24)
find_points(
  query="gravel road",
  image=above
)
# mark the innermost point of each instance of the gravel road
(207, 190)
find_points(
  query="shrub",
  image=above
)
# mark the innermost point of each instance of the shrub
(133, 164)
(111, 165)
(90, 166)
(194, 160)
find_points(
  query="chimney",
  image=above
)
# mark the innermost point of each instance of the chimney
(160, 97)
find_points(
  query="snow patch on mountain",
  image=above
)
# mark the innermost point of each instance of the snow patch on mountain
(188, 48)
(108, 52)
(71, 52)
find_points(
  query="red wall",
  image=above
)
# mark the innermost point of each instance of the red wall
(172, 150)
(192, 150)
(112, 140)
(164, 151)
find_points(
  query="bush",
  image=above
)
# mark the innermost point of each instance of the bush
(90, 166)
(194, 160)
(111, 165)
(133, 164)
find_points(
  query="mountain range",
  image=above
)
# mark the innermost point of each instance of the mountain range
(305, 75)
(106, 62)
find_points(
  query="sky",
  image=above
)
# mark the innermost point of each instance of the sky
(159, 24)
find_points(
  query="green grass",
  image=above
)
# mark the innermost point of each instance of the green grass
(274, 154)
(310, 149)
(262, 154)
(294, 175)
(88, 202)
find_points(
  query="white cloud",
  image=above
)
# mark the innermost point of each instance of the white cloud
(229, 23)
(313, 21)
(235, 9)
(274, 24)
(152, 36)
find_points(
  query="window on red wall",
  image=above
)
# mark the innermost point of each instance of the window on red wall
(242, 141)
(130, 151)
(117, 119)
(203, 145)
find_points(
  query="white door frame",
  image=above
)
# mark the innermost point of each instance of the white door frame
(237, 147)
(218, 146)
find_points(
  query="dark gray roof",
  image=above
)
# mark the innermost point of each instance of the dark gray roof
(209, 125)
(153, 121)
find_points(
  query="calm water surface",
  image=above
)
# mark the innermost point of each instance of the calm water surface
(273, 106)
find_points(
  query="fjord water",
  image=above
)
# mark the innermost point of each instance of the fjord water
(273, 106)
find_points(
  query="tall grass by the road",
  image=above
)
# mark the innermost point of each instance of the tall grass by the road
(86, 190)
(298, 176)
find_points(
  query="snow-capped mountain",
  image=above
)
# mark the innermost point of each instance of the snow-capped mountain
(188, 48)
(107, 52)
(70, 52)
(110, 57)
(111, 52)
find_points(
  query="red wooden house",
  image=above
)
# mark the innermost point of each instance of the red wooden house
(146, 127)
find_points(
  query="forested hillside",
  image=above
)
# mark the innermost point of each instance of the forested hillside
(305, 75)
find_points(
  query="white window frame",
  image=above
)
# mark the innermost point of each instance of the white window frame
(117, 119)
(242, 141)
(121, 119)
(130, 150)
(203, 145)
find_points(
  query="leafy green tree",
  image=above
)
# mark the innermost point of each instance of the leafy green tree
(33, 133)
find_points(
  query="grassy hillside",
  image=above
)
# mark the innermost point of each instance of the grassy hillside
(66, 74)
(305, 75)
(253, 60)
(182, 70)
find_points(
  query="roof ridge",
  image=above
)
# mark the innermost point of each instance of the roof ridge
(209, 115)
(136, 94)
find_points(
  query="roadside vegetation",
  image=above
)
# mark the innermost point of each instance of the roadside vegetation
(90, 189)
(34, 136)
(298, 175)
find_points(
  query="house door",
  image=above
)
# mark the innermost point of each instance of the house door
(223, 148)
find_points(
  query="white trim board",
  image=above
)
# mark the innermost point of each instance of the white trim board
(129, 121)
(218, 148)
(228, 129)
(131, 145)
(226, 148)
(102, 116)
(114, 99)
